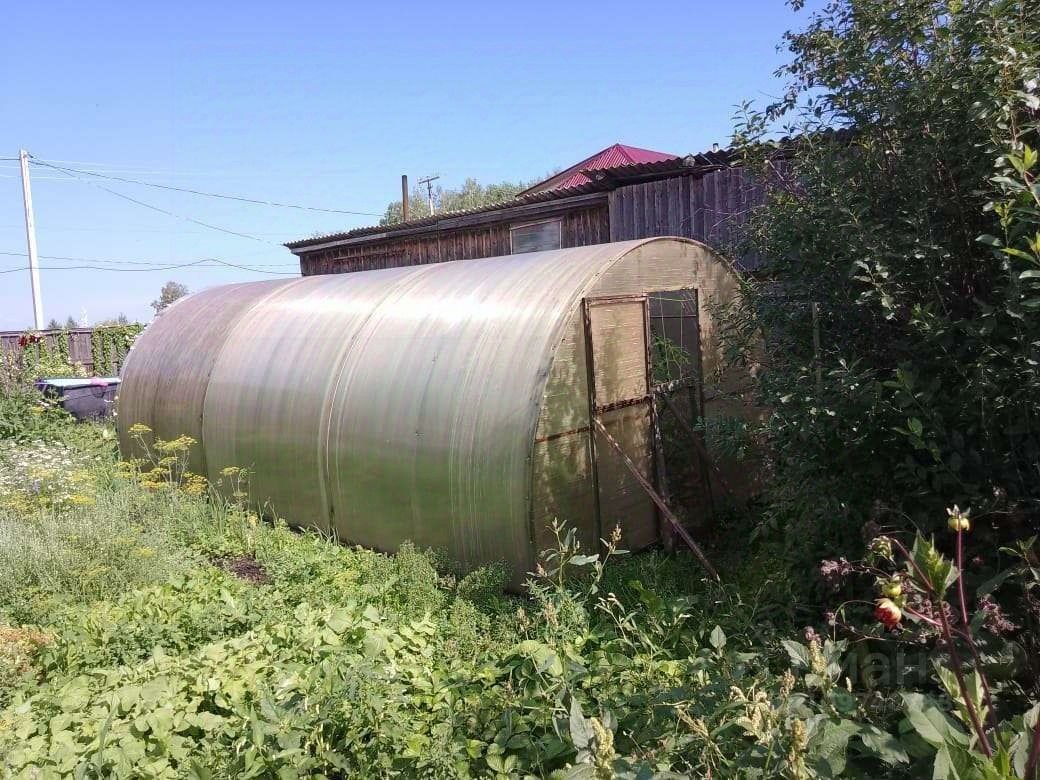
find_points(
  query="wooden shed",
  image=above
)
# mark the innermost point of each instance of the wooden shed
(464, 406)
(704, 196)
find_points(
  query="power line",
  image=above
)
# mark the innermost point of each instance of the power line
(11, 253)
(103, 268)
(239, 198)
(205, 263)
(161, 210)
(35, 178)
(135, 169)
(122, 229)
(140, 170)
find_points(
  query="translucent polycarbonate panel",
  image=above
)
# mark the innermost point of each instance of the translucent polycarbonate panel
(672, 265)
(563, 489)
(618, 335)
(727, 387)
(434, 415)
(565, 404)
(618, 338)
(266, 408)
(623, 501)
(166, 374)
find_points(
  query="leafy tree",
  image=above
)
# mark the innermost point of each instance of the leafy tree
(170, 292)
(120, 319)
(55, 324)
(472, 194)
(905, 246)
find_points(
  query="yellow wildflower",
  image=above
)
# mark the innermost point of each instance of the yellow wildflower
(195, 484)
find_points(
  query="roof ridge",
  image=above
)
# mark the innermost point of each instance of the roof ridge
(627, 153)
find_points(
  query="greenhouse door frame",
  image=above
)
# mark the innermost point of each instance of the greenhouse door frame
(613, 404)
(650, 483)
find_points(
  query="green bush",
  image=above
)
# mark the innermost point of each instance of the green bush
(900, 234)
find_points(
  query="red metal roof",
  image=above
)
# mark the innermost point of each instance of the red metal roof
(611, 157)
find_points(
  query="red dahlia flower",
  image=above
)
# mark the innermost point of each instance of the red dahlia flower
(888, 613)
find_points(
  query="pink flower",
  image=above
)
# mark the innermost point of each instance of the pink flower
(835, 572)
(996, 622)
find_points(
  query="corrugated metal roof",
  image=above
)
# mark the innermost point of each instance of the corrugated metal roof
(536, 197)
(699, 163)
(598, 180)
(612, 157)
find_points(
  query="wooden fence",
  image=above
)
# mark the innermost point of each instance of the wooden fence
(81, 347)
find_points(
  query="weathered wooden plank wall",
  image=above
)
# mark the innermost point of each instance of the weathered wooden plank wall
(579, 227)
(711, 208)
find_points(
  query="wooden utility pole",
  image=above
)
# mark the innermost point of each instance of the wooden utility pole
(428, 181)
(404, 197)
(30, 240)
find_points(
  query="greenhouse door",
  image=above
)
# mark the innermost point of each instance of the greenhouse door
(616, 342)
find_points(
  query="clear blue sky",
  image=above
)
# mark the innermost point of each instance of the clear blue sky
(327, 104)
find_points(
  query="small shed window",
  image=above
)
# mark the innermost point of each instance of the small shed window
(534, 236)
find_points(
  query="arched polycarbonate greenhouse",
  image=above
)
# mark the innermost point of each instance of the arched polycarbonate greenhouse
(452, 404)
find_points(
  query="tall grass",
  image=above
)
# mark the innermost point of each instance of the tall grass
(80, 556)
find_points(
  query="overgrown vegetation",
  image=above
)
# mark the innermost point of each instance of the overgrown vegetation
(143, 647)
(109, 345)
(48, 354)
(152, 625)
(897, 301)
(913, 230)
